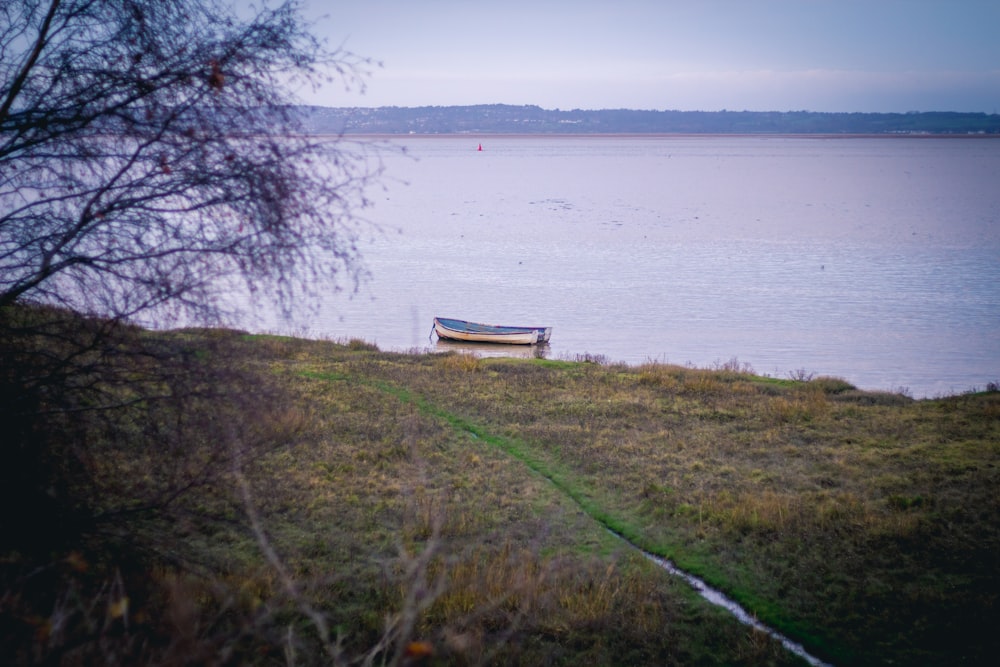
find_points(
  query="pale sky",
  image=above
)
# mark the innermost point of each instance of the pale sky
(759, 55)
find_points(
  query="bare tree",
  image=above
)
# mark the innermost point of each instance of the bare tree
(151, 157)
(148, 149)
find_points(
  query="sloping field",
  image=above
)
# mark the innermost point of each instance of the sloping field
(455, 510)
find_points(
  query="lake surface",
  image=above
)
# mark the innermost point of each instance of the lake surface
(872, 259)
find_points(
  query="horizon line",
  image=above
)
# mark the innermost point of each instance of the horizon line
(646, 110)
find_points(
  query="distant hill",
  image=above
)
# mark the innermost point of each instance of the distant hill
(511, 119)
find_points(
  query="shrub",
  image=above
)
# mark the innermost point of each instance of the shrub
(832, 385)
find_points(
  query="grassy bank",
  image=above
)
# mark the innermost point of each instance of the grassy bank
(458, 507)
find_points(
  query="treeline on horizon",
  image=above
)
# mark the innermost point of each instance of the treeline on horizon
(530, 119)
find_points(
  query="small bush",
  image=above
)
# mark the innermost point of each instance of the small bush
(358, 345)
(832, 385)
(801, 375)
(734, 365)
(589, 358)
(468, 363)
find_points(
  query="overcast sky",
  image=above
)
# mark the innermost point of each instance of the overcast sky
(818, 55)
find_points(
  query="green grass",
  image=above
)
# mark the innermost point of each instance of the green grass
(468, 501)
(834, 514)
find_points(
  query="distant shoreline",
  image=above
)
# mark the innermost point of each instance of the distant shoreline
(505, 119)
(662, 135)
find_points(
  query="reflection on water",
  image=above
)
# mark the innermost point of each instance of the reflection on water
(492, 349)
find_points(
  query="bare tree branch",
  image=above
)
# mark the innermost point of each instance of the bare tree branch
(149, 149)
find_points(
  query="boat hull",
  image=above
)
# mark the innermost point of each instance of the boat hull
(489, 333)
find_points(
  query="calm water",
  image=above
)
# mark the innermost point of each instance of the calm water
(876, 260)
